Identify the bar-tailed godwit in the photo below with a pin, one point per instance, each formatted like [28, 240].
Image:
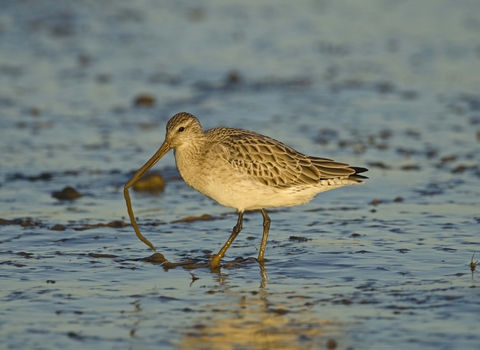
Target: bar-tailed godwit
[244, 170]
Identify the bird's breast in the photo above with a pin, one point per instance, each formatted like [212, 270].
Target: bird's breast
[213, 176]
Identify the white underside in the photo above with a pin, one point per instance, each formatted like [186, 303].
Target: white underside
[248, 196]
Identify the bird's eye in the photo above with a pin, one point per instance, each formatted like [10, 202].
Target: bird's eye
[180, 129]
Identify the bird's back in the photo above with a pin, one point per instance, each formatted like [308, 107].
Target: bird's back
[273, 163]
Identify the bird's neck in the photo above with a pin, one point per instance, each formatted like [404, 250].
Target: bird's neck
[188, 158]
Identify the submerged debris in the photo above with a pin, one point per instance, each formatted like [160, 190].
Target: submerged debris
[299, 239]
[380, 165]
[473, 265]
[112, 224]
[22, 222]
[194, 218]
[44, 176]
[97, 255]
[409, 167]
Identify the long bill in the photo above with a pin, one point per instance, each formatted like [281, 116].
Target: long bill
[151, 162]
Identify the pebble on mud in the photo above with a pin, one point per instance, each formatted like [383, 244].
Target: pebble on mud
[68, 193]
[331, 344]
[233, 77]
[34, 111]
[144, 100]
[152, 182]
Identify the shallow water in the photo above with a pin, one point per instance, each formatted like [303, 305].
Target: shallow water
[389, 85]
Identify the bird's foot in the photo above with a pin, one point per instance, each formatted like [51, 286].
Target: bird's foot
[215, 263]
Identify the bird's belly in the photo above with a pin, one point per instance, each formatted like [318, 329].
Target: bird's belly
[231, 188]
[245, 194]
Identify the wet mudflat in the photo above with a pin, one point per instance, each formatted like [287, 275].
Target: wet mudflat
[86, 89]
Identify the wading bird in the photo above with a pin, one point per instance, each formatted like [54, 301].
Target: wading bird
[244, 170]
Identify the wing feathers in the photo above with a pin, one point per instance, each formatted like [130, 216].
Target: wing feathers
[275, 164]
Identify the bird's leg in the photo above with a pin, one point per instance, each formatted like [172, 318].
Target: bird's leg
[236, 230]
[266, 228]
